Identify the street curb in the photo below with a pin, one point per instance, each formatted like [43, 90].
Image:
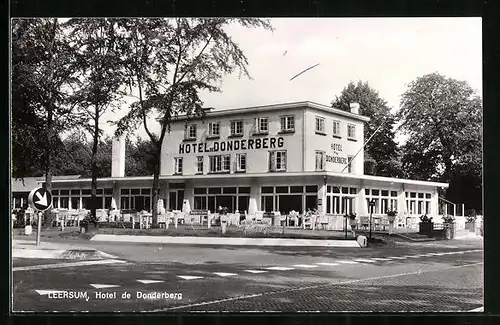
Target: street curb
[69, 254]
[227, 241]
[415, 239]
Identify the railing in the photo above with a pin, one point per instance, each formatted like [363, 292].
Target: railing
[450, 208]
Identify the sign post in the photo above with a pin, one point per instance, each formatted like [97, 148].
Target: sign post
[372, 205]
[40, 200]
[39, 228]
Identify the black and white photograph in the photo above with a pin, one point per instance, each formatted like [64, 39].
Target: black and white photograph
[193, 164]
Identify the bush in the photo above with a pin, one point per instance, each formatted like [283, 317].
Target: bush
[448, 219]
[471, 216]
[351, 216]
[425, 219]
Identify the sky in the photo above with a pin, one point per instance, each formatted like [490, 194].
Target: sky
[388, 53]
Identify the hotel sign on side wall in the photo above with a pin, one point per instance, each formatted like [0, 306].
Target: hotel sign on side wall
[337, 150]
[231, 145]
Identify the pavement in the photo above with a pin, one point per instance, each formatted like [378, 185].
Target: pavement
[226, 241]
[27, 248]
[437, 276]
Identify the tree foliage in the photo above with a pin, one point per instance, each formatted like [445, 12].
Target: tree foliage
[442, 118]
[95, 45]
[140, 158]
[43, 76]
[169, 61]
[381, 153]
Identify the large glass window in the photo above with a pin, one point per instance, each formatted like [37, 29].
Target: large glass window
[213, 197]
[418, 203]
[341, 200]
[384, 200]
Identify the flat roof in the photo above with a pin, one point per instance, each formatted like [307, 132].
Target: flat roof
[256, 175]
[272, 107]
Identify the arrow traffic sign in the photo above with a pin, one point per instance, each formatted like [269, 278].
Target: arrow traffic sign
[40, 199]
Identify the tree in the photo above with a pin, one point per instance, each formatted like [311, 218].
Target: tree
[43, 68]
[169, 61]
[442, 118]
[140, 158]
[75, 157]
[381, 153]
[95, 43]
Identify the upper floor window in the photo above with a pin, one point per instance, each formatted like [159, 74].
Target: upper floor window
[287, 123]
[277, 160]
[336, 128]
[220, 163]
[349, 164]
[241, 162]
[190, 131]
[320, 125]
[320, 160]
[214, 129]
[262, 125]
[199, 164]
[351, 131]
[178, 165]
[237, 127]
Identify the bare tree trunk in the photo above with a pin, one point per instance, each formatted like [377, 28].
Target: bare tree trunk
[93, 189]
[156, 183]
[48, 217]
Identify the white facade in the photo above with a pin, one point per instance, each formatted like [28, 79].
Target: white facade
[271, 158]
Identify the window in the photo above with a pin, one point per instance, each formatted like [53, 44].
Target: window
[214, 129]
[383, 201]
[199, 164]
[320, 160]
[351, 131]
[349, 164]
[237, 127]
[341, 200]
[261, 125]
[190, 131]
[320, 125]
[418, 203]
[288, 123]
[220, 163]
[178, 165]
[277, 161]
[336, 128]
[241, 162]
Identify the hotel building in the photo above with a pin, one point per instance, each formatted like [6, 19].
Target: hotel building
[284, 157]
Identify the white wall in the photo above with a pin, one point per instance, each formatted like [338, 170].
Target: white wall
[324, 142]
[257, 159]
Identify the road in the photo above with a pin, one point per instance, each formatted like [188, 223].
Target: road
[420, 277]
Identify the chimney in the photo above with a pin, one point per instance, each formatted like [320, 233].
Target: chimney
[354, 108]
[118, 157]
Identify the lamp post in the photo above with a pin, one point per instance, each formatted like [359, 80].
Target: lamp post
[372, 205]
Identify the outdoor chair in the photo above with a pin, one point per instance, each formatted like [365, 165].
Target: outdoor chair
[259, 216]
